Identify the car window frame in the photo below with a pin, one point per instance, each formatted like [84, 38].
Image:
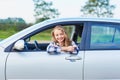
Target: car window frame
[82, 45]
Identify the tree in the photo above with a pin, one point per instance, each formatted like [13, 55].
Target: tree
[15, 24]
[43, 10]
[98, 8]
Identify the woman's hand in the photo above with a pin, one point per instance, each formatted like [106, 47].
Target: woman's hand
[69, 48]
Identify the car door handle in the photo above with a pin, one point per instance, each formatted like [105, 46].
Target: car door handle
[73, 58]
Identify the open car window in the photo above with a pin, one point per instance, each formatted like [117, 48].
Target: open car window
[40, 40]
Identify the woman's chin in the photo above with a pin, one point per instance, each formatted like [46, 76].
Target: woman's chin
[60, 41]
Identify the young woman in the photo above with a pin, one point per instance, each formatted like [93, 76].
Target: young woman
[61, 42]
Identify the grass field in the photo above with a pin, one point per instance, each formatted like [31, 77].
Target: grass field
[5, 34]
[41, 36]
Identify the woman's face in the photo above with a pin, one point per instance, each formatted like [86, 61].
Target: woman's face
[59, 35]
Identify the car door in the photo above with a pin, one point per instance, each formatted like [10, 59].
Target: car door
[102, 55]
[39, 65]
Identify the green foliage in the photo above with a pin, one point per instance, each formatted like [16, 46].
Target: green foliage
[10, 26]
[98, 8]
[43, 36]
[15, 24]
[5, 34]
[43, 10]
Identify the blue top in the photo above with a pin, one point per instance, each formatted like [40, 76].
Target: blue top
[56, 49]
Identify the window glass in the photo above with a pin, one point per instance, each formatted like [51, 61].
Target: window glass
[105, 37]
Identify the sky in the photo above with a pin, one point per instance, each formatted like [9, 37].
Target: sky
[25, 8]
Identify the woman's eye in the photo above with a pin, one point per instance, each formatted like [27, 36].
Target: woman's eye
[56, 35]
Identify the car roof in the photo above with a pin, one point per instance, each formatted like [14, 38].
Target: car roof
[85, 19]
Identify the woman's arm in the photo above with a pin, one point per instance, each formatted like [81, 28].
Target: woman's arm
[52, 48]
[72, 49]
[76, 49]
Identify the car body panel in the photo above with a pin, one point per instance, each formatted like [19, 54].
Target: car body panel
[3, 58]
[102, 65]
[43, 66]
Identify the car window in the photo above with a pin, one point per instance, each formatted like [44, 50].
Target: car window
[105, 37]
[45, 36]
[42, 37]
[40, 41]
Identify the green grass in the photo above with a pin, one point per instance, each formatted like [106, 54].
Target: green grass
[42, 37]
[5, 34]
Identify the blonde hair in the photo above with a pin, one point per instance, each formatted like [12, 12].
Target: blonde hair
[67, 41]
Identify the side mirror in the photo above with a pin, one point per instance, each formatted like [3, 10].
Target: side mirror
[19, 45]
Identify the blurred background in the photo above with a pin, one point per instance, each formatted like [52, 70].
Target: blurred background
[16, 15]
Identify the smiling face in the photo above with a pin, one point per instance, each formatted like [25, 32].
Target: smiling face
[59, 35]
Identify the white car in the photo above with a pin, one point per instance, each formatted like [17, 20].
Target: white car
[24, 58]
